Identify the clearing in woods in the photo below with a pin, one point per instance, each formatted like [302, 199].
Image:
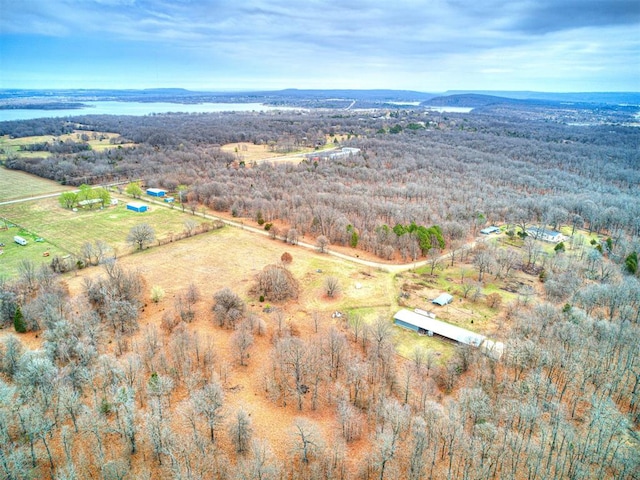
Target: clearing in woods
[98, 141]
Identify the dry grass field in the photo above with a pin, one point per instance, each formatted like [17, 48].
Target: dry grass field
[15, 185]
[97, 140]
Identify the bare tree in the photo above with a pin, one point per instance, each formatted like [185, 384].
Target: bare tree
[242, 340]
[434, 261]
[332, 286]
[141, 235]
[240, 431]
[276, 283]
[322, 242]
[228, 308]
[208, 402]
[484, 262]
[189, 226]
[308, 441]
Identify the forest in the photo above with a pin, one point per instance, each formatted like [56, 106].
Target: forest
[111, 395]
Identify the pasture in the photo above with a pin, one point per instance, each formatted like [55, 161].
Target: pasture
[98, 141]
[65, 231]
[15, 184]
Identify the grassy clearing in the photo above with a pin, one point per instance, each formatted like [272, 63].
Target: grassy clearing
[98, 141]
[65, 231]
[15, 184]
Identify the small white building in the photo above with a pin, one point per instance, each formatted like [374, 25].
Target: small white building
[443, 299]
[542, 234]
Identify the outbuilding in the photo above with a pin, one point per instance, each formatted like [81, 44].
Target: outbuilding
[443, 299]
[156, 192]
[137, 207]
[428, 325]
[490, 230]
[425, 323]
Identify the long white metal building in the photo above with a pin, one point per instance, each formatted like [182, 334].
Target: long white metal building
[426, 324]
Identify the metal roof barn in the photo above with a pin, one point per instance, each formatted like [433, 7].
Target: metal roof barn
[137, 207]
[423, 324]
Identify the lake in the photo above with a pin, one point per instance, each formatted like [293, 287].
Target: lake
[136, 108]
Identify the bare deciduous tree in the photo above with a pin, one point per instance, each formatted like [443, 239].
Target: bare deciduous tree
[332, 286]
[240, 431]
[228, 308]
[141, 235]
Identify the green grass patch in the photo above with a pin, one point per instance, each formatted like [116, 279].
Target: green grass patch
[407, 341]
[66, 231]
[15, 184]
[13, 254]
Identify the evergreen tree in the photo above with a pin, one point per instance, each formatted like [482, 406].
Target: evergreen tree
[631, 263]
[18, 321]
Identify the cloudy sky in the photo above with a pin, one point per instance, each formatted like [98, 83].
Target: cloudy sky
[428, 45]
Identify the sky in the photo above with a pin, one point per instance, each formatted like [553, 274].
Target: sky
[428, 46]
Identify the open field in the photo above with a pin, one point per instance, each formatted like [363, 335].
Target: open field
[65, 231]
[249, 152]
[97, 140]
[16, 184]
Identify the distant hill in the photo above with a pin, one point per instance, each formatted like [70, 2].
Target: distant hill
[611, 98]
[473, 100]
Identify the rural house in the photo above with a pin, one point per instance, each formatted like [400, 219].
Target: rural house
[546, 235]
[490, 230]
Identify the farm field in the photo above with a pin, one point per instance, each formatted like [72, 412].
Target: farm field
[65, 231]
[16, 184]
[98, 141]
[249, 152]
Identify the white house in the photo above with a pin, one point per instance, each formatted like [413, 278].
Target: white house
[546, 235]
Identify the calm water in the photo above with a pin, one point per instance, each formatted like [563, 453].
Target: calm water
[135, 108]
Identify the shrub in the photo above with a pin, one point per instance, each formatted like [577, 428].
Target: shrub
[286, 258]
[494, 300]
[157, 294]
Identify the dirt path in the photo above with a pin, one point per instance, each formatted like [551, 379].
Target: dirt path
[385, 267]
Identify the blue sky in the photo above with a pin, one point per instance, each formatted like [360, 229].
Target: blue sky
[429, 45]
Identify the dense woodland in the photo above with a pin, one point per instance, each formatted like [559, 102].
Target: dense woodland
[563, 402]
[447, 170]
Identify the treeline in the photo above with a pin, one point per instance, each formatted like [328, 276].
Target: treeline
[62, 147]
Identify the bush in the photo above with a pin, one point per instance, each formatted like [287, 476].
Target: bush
[157, 294]
[494, 300]
[332, 286]
[286, 258]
